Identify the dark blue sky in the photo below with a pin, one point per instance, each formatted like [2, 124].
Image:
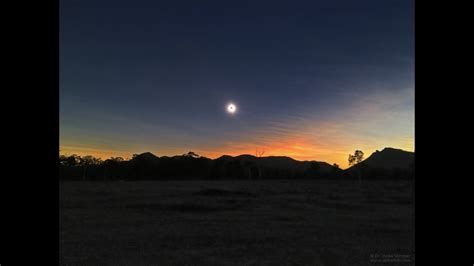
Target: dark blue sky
[311, 79]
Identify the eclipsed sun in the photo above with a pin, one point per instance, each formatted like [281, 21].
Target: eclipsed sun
[231, 108]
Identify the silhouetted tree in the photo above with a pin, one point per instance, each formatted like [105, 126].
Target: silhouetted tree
[62, 159]
[116, 159]
[356, 158]
[112, 168]
[87, 162]
[69, 167]
[72, 160]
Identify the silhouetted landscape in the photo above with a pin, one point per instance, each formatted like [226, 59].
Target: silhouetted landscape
[389, 163]
[222, 212]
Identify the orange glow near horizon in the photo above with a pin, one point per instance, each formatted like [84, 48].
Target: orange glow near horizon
[369, 125]
[297, 149]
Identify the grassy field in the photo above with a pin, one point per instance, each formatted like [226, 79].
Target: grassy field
[332, 223]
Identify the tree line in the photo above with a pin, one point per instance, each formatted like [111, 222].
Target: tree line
[192, 166]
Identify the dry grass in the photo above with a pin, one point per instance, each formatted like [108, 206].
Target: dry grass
[235, 222]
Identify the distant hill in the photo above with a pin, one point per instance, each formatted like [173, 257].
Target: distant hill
[284, 162]
[146, 156]
[388, 160]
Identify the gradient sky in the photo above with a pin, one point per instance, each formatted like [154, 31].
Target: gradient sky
[313, 80]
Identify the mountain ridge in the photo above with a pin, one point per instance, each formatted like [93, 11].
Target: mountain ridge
[390, 163]
[387, 158]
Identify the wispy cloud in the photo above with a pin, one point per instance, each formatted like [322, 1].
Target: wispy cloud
[366, 119]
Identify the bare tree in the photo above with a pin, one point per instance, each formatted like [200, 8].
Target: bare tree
[259, 154]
